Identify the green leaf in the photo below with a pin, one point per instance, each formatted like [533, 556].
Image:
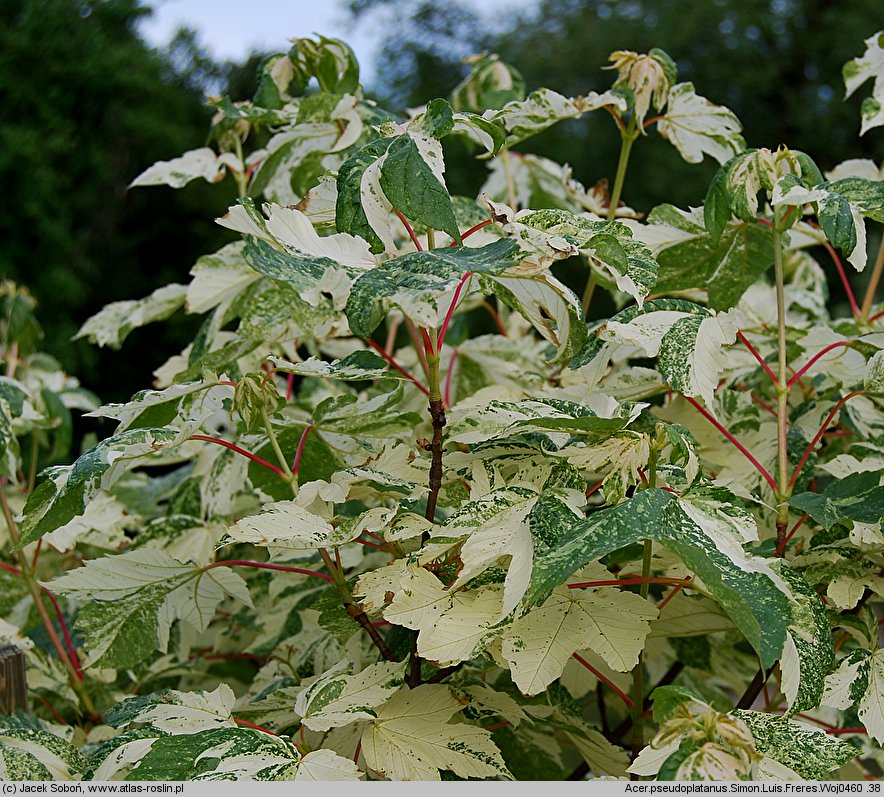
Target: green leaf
[840, 220]
[858, 497]
[413, 188]
[691, 257]
[422, 284]
[302, 271]
[866, 195]
[549, 305]
[412, 739]
[692, 354]
[666, 699]
[368, 417]
[807, 750]
[350, 216]
[736, 186]
[491, 83]
[65, 490]
[29, 751]
[331, 61]
[836, 219]
[338, 697]
[809, 654]
[112, 324]
[362, 365]
[858, 70]
[255, 398]
[753, 596]
[136, 596]
[697, 127]
[195, 756]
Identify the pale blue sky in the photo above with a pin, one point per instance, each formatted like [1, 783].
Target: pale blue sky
[231, 29]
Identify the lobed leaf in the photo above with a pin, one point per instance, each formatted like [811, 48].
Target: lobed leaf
[752, 595]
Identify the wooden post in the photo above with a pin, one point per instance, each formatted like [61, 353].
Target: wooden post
[13, 685]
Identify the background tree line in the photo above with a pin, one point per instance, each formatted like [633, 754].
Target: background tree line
[88, 104]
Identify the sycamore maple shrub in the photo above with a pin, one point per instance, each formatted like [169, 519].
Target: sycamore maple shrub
[404, 509]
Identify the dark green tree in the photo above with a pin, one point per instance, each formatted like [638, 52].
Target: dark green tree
[87, 105]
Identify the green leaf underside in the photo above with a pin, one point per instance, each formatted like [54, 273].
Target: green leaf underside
[858, 497]
[756, 604]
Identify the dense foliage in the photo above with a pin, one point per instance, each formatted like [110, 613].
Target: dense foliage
[401, 511]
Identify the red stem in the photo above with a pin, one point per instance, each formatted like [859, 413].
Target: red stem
[876, 316]
[37, 548]
[68, 642]
[759, 467]
[64, 629]
[594, 487]
[494, 314]
[248, 724]
[380, 350]
[812, 360]
[232, 447]
[838, 731]
[268, 566]
[428, 344]
[10, 569]
[474, 228]
[618, 120]
[296, 463]
[410, 231]
[451, 307]
[844, 281]
[672, 594]
[616, 689]
[58, 718]
[372, 545]
[764, 405]
[757, 356]
[782, 546]
[818, 435]
[289, 386]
